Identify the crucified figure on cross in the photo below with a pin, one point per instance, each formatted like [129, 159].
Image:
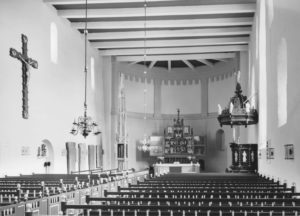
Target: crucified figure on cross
[26, 64]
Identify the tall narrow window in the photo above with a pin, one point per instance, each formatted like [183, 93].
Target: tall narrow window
[93, 73]
[257, 38]
[282, 83]
[53, 42]
[253, 100]
[270, 10]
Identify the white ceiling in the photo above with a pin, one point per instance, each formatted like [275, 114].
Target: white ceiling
[178, 33]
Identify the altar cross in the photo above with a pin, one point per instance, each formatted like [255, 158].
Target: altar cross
[178, 113]
[26, 64]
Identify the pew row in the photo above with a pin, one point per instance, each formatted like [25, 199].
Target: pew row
[50, 203]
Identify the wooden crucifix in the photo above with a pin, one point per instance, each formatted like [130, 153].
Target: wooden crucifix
[26, 64]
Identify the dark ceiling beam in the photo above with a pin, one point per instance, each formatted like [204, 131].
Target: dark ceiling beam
[160, 11]
[178, 57]
[165, 24]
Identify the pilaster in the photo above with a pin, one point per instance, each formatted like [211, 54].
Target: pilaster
[204, 96]
[157, 98]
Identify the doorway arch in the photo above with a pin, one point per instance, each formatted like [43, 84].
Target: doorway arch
[50, 155]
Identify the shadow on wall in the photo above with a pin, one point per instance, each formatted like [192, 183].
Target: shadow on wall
[216, 158]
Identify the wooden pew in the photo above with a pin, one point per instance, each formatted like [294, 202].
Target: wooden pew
[196, 194]
[50, 204]
[181, 208]
[196, 201]
[217, 206]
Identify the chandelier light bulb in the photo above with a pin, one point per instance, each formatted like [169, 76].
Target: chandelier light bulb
[144, 144]
[144, 148]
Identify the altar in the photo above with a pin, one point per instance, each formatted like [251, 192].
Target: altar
[179, 150]
[163, 168]
[181, 145]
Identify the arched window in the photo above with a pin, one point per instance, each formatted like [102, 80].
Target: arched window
[282, 83]
[253, 91]
[270, 9]
[93, 73]
[220, 140]
[53, 42]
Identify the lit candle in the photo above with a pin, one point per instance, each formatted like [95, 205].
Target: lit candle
[231, 107]
[247, 107]
[219, 109]
[238, 76]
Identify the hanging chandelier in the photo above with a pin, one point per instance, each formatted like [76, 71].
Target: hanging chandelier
[145, 142]
[239, 111]
[84, 124]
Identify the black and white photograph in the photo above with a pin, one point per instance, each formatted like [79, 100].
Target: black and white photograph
[149, 107]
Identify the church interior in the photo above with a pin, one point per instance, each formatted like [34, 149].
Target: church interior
[132, 96]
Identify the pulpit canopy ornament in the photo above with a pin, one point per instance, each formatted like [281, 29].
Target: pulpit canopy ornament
[239, 111]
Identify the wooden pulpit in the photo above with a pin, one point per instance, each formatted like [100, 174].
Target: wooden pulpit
[244, 157]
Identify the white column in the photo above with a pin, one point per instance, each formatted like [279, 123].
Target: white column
[107, 90]
[244, 69]
[114, 113]
[157, 98]
[242, 132]
[204, 96]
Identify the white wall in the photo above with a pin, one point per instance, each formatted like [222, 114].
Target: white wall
[281, 23]
[56, 91]
[180, 87]
[219, 92]
[185, 97]
[136, 97]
